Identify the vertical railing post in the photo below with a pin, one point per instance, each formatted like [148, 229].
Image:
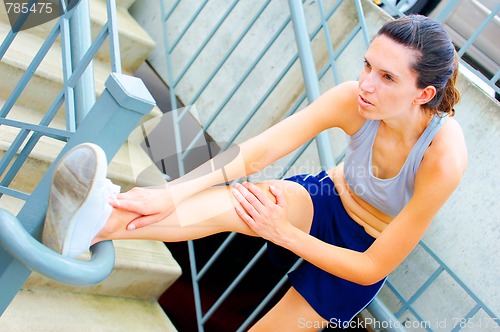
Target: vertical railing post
[310, 76]
[180, 160]
[80, 41]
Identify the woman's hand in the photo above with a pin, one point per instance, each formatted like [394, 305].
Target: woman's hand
[152, 203]
[264, 216]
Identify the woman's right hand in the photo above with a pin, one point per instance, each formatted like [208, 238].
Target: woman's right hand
[152, 203]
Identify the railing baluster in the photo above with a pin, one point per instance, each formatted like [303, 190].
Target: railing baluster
[81, 40]
[114, 40]
[30, 71]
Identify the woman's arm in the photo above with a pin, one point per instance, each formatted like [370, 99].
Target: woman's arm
[438, 176]
[336, 108]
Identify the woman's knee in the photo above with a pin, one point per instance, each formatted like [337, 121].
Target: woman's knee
[265, 185]
[299, 202]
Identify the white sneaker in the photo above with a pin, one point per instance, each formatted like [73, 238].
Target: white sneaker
[78, 204]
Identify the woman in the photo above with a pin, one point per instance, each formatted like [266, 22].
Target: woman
[405, 157]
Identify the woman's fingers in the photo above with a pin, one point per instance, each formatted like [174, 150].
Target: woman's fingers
[128, 205]
[263, 213]
[245, 217]
[153, 203]
[246, 199]
[258, 193]
[142, 222]
[278, 194]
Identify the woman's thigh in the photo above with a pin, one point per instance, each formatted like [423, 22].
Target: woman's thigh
[291, 313]
[214, 208]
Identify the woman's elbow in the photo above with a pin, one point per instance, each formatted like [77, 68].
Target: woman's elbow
[368, 280]
[370, 275]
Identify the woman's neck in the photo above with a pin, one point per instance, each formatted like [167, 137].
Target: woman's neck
[408, 129]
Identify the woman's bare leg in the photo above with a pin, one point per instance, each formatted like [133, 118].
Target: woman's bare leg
[212, 211]
[208, 212]
[291, 313]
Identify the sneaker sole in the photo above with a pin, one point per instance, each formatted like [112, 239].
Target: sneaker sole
[74, 178]
[77, 228]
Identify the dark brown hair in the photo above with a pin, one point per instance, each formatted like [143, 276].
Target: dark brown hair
[436, 63]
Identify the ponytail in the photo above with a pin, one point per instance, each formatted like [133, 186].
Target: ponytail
[451, 96]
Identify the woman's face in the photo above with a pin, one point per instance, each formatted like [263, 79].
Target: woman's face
[387, 85]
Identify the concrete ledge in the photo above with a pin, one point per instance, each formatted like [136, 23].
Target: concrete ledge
[135, 44]
[143, 270]
[48, 75]
[64, 311]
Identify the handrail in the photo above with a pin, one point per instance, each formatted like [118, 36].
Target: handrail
[78, 94]
[37, 257]
[124, 101]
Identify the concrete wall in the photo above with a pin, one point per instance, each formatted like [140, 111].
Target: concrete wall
[465, 233]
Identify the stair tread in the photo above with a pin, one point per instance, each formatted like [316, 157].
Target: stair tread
[65, 311]
[130, 33]
[158, 270]
[24, 48]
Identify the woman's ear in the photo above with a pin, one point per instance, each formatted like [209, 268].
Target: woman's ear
[425, 96]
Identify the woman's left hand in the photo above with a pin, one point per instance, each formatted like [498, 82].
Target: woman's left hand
[264, 216]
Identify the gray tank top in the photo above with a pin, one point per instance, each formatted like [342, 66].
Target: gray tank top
[387, 195]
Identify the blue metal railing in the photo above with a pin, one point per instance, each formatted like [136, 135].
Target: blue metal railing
[312, 92]
[311, 78]
[124, 100]
[74, 67]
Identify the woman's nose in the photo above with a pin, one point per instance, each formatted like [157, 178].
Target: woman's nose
[367, 83]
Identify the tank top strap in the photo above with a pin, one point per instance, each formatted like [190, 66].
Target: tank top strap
[425, 140]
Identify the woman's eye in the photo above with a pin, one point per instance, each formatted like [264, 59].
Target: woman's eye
[367, 65]
[388, 77]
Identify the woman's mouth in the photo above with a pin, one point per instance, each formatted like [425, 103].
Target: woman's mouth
[363, 102]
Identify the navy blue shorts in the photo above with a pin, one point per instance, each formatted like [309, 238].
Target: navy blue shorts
[335, 299]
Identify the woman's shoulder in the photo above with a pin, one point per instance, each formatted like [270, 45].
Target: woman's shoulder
[348, 91]
[450, 137]
[448, 151]
[343, 101]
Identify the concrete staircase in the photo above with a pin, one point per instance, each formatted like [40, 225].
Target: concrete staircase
[465, 229]
[143, 269]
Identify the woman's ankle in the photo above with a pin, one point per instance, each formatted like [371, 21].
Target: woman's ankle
[115, 225]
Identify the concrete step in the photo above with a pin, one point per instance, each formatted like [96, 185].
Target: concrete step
[48, 75]
[66, 311]
[135, 43]
[158, 270]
